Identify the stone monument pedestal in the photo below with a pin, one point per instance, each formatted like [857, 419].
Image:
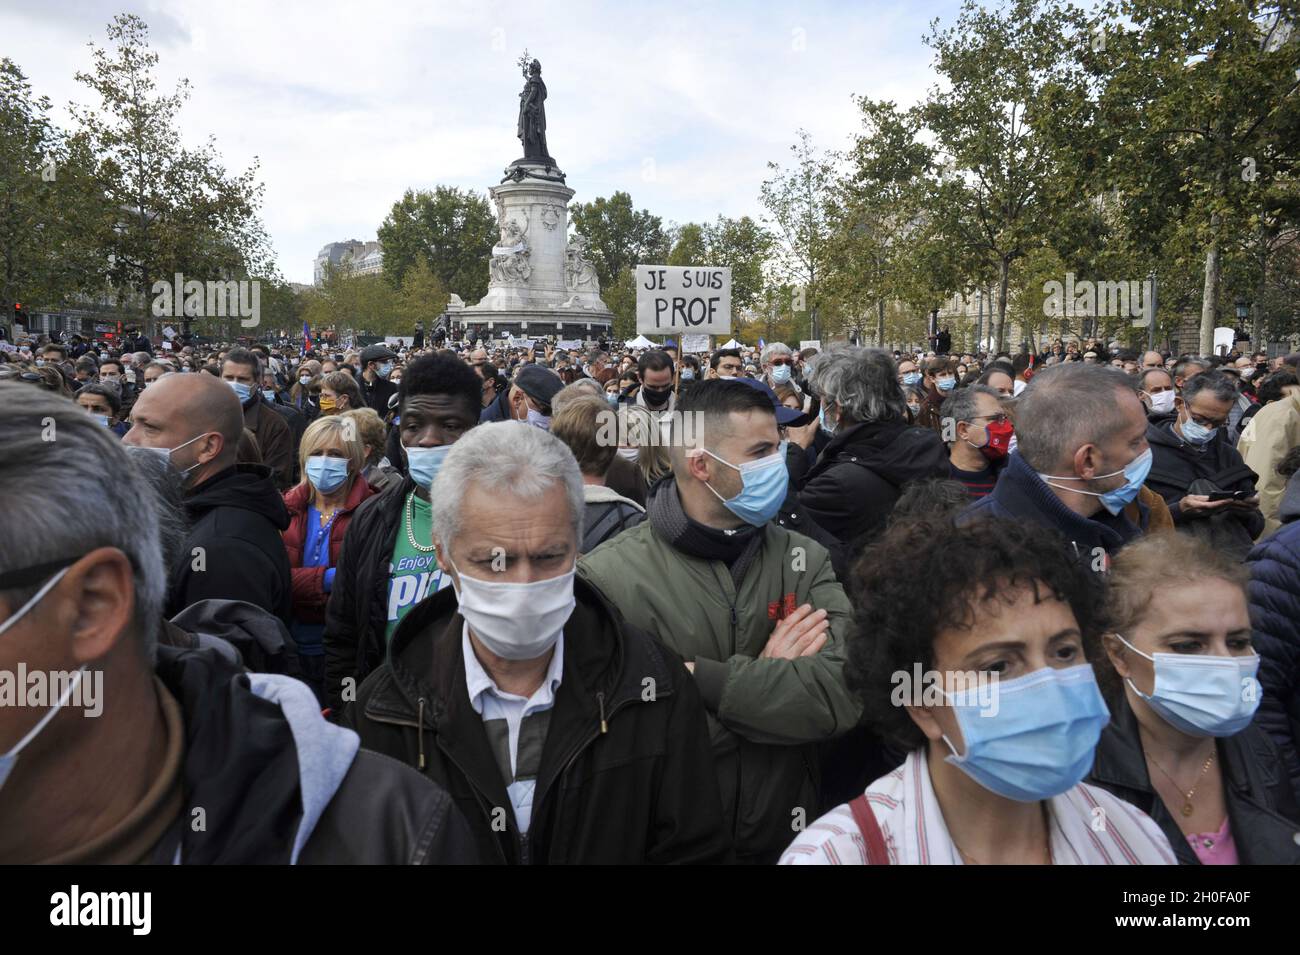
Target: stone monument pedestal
[542, 282]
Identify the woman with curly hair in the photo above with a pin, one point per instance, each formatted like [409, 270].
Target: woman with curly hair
[972, 655]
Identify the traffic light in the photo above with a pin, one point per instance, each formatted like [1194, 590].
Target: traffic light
[20, 314]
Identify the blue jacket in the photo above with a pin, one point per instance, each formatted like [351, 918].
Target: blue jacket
[1274, 594]
[1020, 495]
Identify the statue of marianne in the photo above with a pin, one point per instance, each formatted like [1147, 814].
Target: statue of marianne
[532, 115]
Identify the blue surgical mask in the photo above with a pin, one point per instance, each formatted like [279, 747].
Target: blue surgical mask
[102, 419]
[688, 374]
[946, 384]
[1039, 741]
[325, 473]
[1196, 433]
[1135, 473]
[912, 378]
[10, 759]
[539, 420]
[242, 391]
[823, 422]
[780, 374]
[384, 370]
[612, 399]
[423, 464]
[763, 487]
[302, 379]
[269, 394]
[1203, 695]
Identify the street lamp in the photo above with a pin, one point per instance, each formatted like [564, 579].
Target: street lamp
[1243, 313]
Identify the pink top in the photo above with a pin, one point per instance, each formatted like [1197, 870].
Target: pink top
[1215, 848]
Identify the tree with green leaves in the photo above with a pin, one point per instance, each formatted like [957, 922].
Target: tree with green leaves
[741, 245]
[450, 229]
[797, 201]
[620, 296]
[690, 246]
[995, 188]
[620, 236]
[423, 298]
[177, 209]
[875, 205]
[53, 216]
[1200, 101]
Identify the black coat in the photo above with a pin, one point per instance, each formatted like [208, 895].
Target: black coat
[862, 471]
[297, 423]
[236, 517]
[377, 393]
[1274, 594]
[356, 616]
[626, 772]
[1256, 789]
[498, 409]
[1176, 464]
[242, 766]
[793, 517]
[1021, 496]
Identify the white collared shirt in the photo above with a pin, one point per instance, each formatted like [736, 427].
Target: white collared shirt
[1089, 826]
[492, 703]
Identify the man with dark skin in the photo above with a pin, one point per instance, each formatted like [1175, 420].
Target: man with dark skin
[388, 563]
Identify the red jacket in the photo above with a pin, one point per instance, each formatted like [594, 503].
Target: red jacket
[309, 595]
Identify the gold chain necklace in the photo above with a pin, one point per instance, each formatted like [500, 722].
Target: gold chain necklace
[410, 533]
[1187, 808]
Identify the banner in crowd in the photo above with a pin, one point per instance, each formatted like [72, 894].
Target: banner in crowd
[673, 298]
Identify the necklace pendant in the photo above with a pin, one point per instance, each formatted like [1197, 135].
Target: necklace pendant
[1188, 809]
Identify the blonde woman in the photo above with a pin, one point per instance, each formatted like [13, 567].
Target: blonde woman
[649, 437]
[1180, 677]
[331, 459]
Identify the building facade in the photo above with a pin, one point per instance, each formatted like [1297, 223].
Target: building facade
[363, 258]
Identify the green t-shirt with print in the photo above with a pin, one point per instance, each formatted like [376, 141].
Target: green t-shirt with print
[413, 573]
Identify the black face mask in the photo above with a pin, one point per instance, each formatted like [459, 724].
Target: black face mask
[655, 396]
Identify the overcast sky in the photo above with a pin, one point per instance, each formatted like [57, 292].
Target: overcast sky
[347, 105]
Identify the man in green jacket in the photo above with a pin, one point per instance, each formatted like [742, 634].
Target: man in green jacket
[754, 610]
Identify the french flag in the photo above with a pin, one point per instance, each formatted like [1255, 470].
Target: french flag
[306, 338]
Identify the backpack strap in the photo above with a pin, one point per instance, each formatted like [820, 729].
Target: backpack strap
[609, 519]
[877, 853]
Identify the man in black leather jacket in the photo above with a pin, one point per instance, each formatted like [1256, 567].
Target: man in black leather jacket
[187, 757]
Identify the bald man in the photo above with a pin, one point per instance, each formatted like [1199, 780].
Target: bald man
[234, 550]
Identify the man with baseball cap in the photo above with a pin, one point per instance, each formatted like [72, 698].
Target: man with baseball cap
[376, 366]
[530, 395]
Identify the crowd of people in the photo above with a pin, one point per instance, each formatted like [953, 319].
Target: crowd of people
[486, 602]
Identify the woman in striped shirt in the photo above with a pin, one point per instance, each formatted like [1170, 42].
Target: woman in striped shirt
[972, 656]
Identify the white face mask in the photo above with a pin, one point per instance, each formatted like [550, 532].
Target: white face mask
[516, 621]
[1162, 402]
[10, 759]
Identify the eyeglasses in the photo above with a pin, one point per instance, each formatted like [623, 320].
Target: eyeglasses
[998, 418]
[780, 361]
